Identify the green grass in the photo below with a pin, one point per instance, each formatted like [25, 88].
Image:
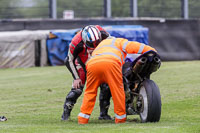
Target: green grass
[32, 100]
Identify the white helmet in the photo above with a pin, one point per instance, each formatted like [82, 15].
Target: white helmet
[91, 36]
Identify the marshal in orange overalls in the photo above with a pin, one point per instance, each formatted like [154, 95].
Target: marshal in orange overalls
[105, 66]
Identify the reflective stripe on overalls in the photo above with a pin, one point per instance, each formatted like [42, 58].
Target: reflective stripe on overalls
[112, 45]
[83, 118]
[120, 117]
[84, 115]
[139, 51]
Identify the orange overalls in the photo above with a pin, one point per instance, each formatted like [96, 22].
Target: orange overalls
[105, 66]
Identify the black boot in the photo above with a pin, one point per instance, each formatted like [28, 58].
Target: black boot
[67, 111]
[104, 100]
[104, 115]
[70, 101]
[104, 106]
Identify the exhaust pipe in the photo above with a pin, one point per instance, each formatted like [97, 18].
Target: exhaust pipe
[139, 65]
[155, 64]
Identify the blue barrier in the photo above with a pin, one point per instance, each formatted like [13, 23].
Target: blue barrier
[57, 47]
[130, 32]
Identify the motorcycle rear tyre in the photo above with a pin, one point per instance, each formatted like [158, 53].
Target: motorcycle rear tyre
[151, 101]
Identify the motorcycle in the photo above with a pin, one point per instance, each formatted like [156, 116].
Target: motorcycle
[142, 94]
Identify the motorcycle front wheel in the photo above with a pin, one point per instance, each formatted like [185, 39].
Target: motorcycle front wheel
[151, 101]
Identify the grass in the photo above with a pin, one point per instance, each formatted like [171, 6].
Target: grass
[32, 100]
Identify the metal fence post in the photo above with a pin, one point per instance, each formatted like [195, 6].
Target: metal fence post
[107, 8]
[184, 9]
[134, 8]
[52, 9]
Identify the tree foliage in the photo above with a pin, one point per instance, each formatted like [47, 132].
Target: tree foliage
[81, 8]
[4, 10]
[95, 8]
[160, 8]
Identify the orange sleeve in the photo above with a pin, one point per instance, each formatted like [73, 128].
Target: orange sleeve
[147, 48]
[136, 48]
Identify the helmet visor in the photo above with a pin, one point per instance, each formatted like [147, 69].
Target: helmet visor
[92, 44]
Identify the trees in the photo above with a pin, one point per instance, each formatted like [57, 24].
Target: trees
[81, 8]
[10, 9]
[160, 8]
[4, 10]
[95, 8]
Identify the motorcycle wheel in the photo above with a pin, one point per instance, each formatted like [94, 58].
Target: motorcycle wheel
[151, 101]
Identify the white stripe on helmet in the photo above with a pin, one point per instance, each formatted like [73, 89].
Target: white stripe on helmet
[91, 34]
[96, 33]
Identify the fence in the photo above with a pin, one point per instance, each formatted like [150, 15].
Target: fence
[10, 9]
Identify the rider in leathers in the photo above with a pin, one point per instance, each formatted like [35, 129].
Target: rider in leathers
[79, 52]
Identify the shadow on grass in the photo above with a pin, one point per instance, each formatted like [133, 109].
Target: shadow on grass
[135, 120]
[96, 121]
